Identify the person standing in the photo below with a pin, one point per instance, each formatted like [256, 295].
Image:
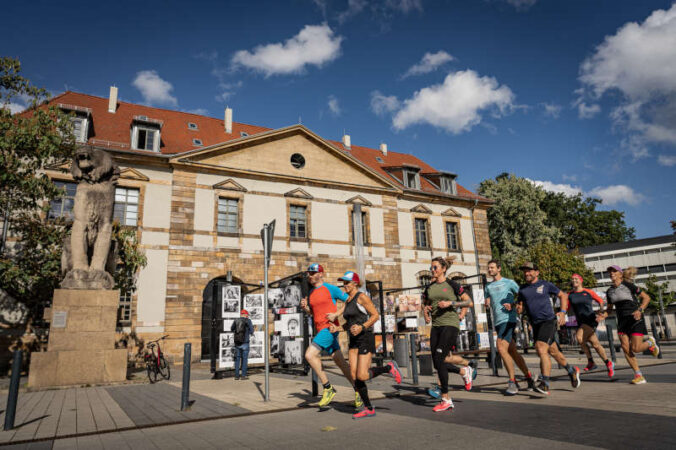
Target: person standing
[320, 303]
[243, 330]
[360, 314]
[535, 295]
[623, 296]
[581, 300]
[501, 297]
[442, 299]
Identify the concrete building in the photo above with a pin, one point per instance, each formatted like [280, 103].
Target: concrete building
[198, 190]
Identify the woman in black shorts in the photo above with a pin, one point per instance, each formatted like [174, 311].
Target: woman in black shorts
[623, 296]
[581, 299]
[360, 314]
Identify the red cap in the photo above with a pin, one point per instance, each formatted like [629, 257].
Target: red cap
[244, 311]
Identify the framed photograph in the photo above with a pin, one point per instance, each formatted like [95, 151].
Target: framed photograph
[291, 296]
[254, 304]
[226, 355]
[390, 323]
[292, 352]
[231, 301]
[274, 345]
[227, 325]
[276, 298]
[290, 325]
[256, 348]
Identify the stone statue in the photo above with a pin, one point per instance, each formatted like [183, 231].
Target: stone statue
[87, 260]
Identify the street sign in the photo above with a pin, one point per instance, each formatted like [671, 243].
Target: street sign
[269, 230]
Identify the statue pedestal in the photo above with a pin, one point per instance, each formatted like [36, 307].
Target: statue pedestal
[81, 347]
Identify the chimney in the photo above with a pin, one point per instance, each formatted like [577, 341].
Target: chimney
[112, 100]
[383, 149]
[346, 141]
[228, 120]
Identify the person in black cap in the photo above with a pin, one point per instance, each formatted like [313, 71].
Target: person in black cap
[535, 295]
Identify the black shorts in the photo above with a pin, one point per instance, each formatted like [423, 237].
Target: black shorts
[364, 341]
[590, 321]
[630, 326]
[442, 340]
[545, 331]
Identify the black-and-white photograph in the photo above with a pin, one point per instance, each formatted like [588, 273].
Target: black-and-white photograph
[276, 298]
[253, 303]
[227, 351]
[290, 325]
[231, 301]
[292, 352]
[256, 348]
[291, 296]
[274, 344]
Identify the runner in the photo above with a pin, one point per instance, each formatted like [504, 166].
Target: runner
[500, 296]
[323, 298]
[441, 299]
[535, 294]
[623, 296]
[581, 301]
[360, 314]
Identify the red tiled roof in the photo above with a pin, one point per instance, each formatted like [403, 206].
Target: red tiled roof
[114, 131]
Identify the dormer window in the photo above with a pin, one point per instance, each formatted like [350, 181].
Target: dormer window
[79, 117]
[145, 134]
[243, 133]
[411, 179]
[197, 142]
[447, 185]
[192, 126]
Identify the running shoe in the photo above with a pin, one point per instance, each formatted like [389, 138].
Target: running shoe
[364, 413]
[654, 348]
[638, 379]
[512, 388]
[611, 368]
[531, 383]
[327, 396]
[575, 377]
[444, 405]
[590, 366]
[542, 386]
[357, 400]
[474, 365]
[394, 371]
[468, 378]
[434, 392]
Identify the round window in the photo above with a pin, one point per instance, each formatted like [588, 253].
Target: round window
[297, 161]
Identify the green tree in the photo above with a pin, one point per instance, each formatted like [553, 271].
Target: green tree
[556, 264]
[654, 289]
[516, 221]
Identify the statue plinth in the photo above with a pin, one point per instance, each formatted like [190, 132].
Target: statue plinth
[81, 347]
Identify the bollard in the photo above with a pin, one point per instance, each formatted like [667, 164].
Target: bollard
[414, 360]
[185, 390]
[611, 344]
[13, 395]
[315, 385]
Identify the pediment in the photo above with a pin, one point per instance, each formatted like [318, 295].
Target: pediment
[360, 200]
[269, 154]
[451, 212]
[298, 193]
[229, 185]
[420, 208]
[132, 174]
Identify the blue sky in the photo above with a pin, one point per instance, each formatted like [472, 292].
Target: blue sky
[579, 96]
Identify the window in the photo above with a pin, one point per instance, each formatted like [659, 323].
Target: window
[243, 133]
[297, 221]
[126, 206]
[297, 161]
[364, 234]
[192, 126]
[656, 269]
[79, 128]
[124, 310]
[448, 185]
[421, 233]
[599, 275]
[145, 138]
[638, 253]
[379, 159]
[670, 267]
[411, 179]
[197, 142]
[652, 250]
[228, 215]
[606, 257]
[63, 207]
[642, 271]
[452, 236]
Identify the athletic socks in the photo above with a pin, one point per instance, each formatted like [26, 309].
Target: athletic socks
[363, 391]
[569, 368]
[327, 385]
[375, 371]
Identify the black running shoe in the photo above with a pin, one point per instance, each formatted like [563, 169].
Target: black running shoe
[575, 377]
[542, 387]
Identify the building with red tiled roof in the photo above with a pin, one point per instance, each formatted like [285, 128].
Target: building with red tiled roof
[198, 191]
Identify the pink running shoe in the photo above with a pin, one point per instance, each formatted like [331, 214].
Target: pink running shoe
[444, 405]
[394, 371]
[611, 368]
[467, 378]
[364, 413]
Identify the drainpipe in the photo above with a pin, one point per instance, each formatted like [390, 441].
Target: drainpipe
[476, 252]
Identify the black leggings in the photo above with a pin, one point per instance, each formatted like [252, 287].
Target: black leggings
[442, 339]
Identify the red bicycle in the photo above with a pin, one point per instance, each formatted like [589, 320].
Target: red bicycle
[155, 363]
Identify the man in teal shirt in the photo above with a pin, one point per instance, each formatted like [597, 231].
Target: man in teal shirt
[501, 297]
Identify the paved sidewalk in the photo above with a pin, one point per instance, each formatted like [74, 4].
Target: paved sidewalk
[88, 410]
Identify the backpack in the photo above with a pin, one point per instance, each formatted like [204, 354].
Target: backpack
[240, 331]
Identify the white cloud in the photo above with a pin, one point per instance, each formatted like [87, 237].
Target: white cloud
[551, 110]
[667, 160]
[199, 111]
[314, 45]
[558, 188]
[455, 105]
[381, 10]
[404, 6]
[572, 178]
[522, 5]
[383, 104]
[17, 103]
[354, 7]
[585, 111]
[609, 195]
[334, 106]
[637, 65]
[429, 63]
[155, 90]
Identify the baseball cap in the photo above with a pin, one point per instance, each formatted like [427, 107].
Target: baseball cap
[528, 265]
[314, 268]
[349, 276]
[614, 268]
[244, 311]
